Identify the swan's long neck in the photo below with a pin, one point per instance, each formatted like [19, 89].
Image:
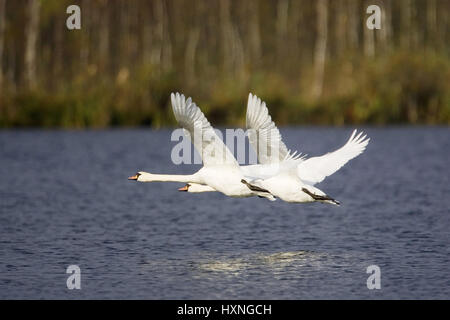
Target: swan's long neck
[186, 178]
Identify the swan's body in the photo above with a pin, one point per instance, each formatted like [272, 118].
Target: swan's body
[285, 174]
[221, 171]
[222, 178]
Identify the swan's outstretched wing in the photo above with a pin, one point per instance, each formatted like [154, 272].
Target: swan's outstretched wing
[263, 134]
[210, 147]
[314, 170]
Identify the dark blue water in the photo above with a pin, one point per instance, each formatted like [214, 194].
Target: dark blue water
[65, 199]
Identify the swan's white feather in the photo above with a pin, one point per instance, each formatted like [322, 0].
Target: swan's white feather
[263, 134]
[208, 144]
[316, 169]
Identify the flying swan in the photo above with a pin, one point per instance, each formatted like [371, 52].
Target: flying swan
[285, 174]
[221, 172]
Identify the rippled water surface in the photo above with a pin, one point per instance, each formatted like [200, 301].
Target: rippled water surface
[65, 199]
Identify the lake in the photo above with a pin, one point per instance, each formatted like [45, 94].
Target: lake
[66, 200]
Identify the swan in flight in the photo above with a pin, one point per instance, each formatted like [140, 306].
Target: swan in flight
[220, 170]
[287, 175]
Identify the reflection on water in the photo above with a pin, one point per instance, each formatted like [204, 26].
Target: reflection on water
[208, 265]
[276, 263]
[226, 266]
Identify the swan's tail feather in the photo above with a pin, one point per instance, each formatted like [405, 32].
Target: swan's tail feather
[322, 198]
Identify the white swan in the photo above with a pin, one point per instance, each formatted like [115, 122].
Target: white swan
[220, 169]
[285, 174]
[295, 183]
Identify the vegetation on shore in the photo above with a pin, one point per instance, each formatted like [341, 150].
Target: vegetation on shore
[121, 67]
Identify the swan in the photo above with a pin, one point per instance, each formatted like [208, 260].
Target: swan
[220, 169]
[296, 178]
[285, 174]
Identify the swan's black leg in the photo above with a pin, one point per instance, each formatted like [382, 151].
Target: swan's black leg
[253, 187]
[318, 197]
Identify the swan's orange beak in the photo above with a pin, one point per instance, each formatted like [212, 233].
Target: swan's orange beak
[185, 188]
[135, 177]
